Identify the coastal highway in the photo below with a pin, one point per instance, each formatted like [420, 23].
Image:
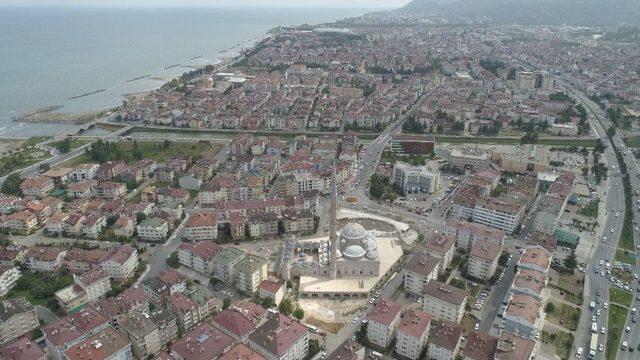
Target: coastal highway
[596, 286]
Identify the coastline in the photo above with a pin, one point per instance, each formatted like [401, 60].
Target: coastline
[51, 115]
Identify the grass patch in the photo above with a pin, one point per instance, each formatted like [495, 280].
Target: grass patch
[40, 288]
[590, 210]
[155, 150]
[625, 256]
[566, 316]
[563, 342]
[615, 326]
[109, 127]
[624, 276]
[633, 141]
[468, 322]
[620, 297]
[35, 140]
[21, 159]
[73, 143]
[514, 141]
[573, 298]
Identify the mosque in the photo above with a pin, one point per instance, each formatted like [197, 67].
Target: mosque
[349, 264]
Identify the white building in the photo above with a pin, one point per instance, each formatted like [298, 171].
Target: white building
[249, 273]
[415, 179]
[442, 247]
[8, 276]
[121, 263]
[466, 233]
[483, 260]
[444, 301]
[412, 333]
[382, 322]
[154, 229]
[199, 256]
[85, 172]
[419, 270]
[202, 226]
[444, 340]
[498, 214]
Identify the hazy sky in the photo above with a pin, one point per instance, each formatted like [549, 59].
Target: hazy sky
[265, 3]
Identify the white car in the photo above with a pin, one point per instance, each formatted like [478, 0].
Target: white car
[605, 306]
[602, 330]
[601, 262]
[612, 230]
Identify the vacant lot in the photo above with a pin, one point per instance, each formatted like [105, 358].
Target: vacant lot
[565, 315]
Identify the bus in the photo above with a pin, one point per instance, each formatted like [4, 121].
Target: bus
[593, 346]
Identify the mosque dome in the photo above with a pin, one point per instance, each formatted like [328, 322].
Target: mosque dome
[353, 231]
[353, 252]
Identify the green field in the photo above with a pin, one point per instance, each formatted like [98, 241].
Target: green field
[21, 159]
[620, 297]
[590, 210]
[156, 150]
[625, 256]
[562, 341]
[566, 316]
[615, 326]
[39, 288]
[73, 143]
[35, 140]
[513, 141]
[633, 141]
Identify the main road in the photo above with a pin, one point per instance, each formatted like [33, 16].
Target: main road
[596, 286]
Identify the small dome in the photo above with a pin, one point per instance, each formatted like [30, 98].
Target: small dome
[372, 254]
[353, 231]
[353, 252]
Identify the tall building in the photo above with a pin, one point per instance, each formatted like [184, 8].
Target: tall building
[415, 179]
[444, 301]
[412, 333]
[382, 322]
[17, 317]
[444, 340]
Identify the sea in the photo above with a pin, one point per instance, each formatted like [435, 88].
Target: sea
[51, 56]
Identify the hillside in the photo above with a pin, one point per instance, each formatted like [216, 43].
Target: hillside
[552, 12]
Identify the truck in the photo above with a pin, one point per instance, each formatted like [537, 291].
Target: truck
[593, 346]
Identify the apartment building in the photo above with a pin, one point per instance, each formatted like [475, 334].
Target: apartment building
[234, 323]
[17, 317]
[499, 213]
[45, 258]
[419, 270]
[535, 258]
[280, 338]
[189, 311]
[224, 264]
[85, 288]
[249, 273]
[38, 186]
[22, 349]
[107, 344]
[514, 347]
[84, 172]
[442, 247]
[273, 289]
[142, 333]
[202, 226]
[480, 346]
[444, 340]
[468, 159]
[8, 276]
[122, 262]
[467, 233]
[110, 190]
[483, 260]
[199, 256]
[348, 350]
[522, 315]
[412, 333]
[68, 331]
[415, 179]
[382, 322]
[153, 229]
[529, 282]
[444, 301]
[202, 343]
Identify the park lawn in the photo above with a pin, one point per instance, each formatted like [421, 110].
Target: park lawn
[625, 256]
[109, 127]
[34, 140]
[39, 288]
[155, 150]
[21, 159]
[620, 297]
[615, 326]
[73, 143]
[566, 316]
[633, 141]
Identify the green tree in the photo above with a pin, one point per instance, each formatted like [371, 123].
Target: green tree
[286, 306]
[530, 137]
[549, 308]
[314, 348]
[11, 185]
[45, 167]
[268, 302]
[64, 146]
[173, 260]
[611, 131]
[140, 217]
[298, 313]
[226, 303]
[571, 262]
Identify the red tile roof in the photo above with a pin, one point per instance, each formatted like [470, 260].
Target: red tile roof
[203, 342]
[234, 321]
[385, 311]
